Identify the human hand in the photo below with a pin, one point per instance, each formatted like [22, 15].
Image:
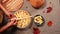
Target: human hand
[0, 1]
[9, 14]
[4, 1]
[12, 22]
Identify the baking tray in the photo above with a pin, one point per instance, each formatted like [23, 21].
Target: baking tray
[53, 16]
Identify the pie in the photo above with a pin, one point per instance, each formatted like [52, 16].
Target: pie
[12, 5]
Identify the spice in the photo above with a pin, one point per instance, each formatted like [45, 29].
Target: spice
[44, 11]
[26, 7]
[36, 31]
[49, 23]
[50, 2]
[49, 9]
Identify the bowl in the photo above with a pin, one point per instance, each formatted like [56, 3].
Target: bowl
[39, 20]
[23, 23]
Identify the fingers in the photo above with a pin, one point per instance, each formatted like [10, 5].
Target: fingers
[6, 11]
[14, 21]
[0, 1]
[4, 1]
[11, 16]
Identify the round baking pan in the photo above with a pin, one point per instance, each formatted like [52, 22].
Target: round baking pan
[29, 25]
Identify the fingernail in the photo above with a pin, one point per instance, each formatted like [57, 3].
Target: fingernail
[11, 16]
[14, 21]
